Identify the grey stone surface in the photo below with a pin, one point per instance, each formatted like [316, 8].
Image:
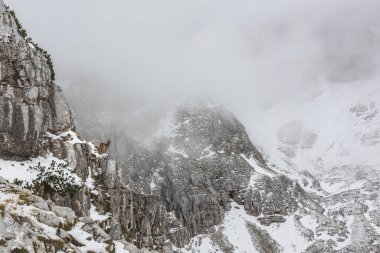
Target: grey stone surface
[64, 212]
[178, 187]
[29, 228]
[267, 220]
[46, 217]
[30, 103]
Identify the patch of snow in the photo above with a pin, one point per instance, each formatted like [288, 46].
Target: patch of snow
[70, 137]
[152, 184]
[87, 240]
[234, 227]
[156, 178]
[4, 198]
[171, 215]
[96, 216]
[23, 170]
[332, 188]
[288, 235]
[373, 205]
[175, 150]
[119, 247]
[200, 244]
[309, 222]
[90, 181]
[94, 150]
[252, 162]
[338, 187]
[11, 170]
[206, 153]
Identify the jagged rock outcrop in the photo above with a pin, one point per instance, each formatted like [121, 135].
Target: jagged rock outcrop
[176, 189]
[201, 160]
[30, 104]
[28, 223]
[200, 180]
[35, 120]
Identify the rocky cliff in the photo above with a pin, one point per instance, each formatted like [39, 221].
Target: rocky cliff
[198, 185]
[30, 104]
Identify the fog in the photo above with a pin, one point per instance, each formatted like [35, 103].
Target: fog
[122, 56]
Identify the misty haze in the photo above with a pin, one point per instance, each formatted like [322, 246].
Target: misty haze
[190, 126]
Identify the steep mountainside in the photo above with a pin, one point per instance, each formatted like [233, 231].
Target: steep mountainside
[197, 185]
[30, 104]
[335, 128]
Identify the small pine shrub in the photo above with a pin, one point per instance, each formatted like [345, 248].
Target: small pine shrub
[24, 35]
[20, 29]
[18, 182]
[57, 178]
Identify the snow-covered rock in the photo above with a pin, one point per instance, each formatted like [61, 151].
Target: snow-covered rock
[198, 185]
[28, 228]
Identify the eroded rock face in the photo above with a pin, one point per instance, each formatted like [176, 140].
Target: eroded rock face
[178, 187]
[33, 112]
[30, 103]
[191, 173]
[24, 227]
[164, 194]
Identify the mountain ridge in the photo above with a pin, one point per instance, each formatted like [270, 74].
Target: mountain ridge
[202, 187]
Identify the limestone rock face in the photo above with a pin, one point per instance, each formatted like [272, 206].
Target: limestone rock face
[191, 171]
[24, 227]
[30, 103]
[199, 179]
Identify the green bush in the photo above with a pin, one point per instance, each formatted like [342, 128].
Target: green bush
[56, 178]
[24, 35]
[21, 30]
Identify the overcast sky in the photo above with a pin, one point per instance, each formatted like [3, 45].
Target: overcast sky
[244, 54]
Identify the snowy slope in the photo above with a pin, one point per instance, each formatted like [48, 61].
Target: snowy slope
[342, 227]
[236, 233]
[333, 133]
[335, 129]
[28, 222]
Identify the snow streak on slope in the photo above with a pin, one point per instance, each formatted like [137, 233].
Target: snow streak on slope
[251, 161]
[234, 227]
[333, 129]
[234, 234]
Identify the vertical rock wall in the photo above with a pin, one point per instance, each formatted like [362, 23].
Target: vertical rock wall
[30, 103]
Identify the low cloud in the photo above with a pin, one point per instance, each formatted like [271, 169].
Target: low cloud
[124, 55]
